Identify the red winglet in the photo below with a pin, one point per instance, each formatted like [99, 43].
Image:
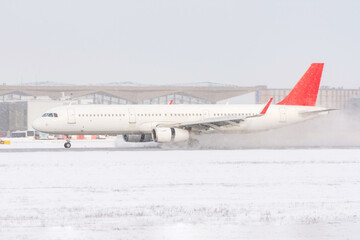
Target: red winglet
[266, 107]
[306, 90]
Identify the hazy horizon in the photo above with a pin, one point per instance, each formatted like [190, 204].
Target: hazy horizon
[243, 43]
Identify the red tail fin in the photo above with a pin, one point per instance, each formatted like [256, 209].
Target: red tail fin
[306, 90]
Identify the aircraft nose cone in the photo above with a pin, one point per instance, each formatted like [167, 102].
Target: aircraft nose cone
[36, 124]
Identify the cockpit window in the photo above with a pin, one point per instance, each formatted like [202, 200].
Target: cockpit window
[50, 115]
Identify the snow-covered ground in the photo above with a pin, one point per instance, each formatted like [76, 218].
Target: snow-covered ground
[207, 194]
[30, 144]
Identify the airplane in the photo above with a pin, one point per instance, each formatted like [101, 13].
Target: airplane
[174, 123]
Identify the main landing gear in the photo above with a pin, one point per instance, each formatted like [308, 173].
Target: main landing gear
[193, 143]
[67, 144]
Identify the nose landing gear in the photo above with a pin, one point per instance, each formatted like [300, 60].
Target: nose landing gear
[67, 144]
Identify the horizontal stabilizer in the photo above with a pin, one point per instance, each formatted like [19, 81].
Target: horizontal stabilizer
[317, 112]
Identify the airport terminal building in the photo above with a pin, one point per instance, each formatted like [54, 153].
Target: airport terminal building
[338, 98]
[20, 105]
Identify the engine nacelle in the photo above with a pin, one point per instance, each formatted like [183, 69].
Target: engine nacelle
[137, 137]
[166, 135]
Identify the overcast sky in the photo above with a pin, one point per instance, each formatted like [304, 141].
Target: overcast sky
[257, 42]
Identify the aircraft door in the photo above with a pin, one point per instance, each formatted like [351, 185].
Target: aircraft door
[206, 114]
[282, 114]
[71, 116]
[132, 116]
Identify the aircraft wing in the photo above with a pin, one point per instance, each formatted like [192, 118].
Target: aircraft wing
[217, 122]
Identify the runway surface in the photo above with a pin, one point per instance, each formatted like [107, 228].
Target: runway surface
[125, 149]
[117, 144]
[177, 194]
[88, 149]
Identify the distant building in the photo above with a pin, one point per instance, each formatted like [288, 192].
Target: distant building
[328, 97]
[354, 103]
[123, 94]
[20, 105]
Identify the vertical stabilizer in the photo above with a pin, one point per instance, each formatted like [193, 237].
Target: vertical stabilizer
[306, 90]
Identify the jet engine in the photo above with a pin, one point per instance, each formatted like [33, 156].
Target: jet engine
[166, 135]
[137, 137]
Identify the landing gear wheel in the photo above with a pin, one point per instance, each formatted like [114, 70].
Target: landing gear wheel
[67, 144]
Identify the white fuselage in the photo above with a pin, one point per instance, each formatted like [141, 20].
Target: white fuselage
[134, 119]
